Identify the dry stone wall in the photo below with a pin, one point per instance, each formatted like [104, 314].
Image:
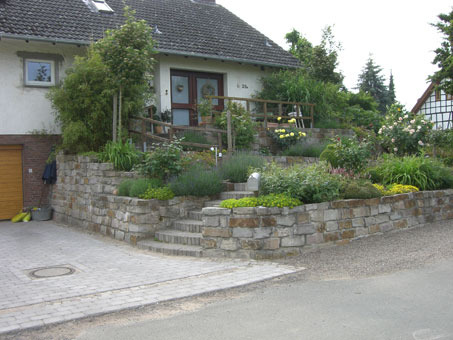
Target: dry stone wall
[267, 233]
[83, 197]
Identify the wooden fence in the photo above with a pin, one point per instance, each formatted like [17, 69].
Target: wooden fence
[266, 115]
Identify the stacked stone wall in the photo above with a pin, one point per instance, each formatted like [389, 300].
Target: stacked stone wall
[84, 197]
[266, 233]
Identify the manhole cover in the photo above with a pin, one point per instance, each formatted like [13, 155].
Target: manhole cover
[51, 272]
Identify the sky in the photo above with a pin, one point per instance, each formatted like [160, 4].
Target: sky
[397, 33]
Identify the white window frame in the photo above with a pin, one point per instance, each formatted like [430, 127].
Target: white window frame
[40, 83]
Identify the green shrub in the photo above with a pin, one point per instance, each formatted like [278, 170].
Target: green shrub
[205, 159]
[243, 126]
[310, 184]
[423, 173]
[272, 200]
[301, 150]
[441, 142]
[165, 161]
[347, 153]
[140, 186]
[236, 169]
[125, 187]
[329, 156]
[197, 182]
[123, 155]
[404, 133]
[359, 190]
[193, 137]
[163, 194]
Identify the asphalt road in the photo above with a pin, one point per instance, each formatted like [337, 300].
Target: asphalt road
[393, 286]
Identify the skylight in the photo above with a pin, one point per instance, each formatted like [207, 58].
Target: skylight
[101, 6]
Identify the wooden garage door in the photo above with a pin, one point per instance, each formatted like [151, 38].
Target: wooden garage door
[11, 198]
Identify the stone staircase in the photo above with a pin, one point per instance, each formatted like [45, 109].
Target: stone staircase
[184, 237]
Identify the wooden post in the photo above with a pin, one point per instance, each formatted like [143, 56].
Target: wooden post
[143, 131]
[265, 115]
[312, 116]
[280, 109]
[219, 141]
[247, 104]
[170, 132]
[229, 134]
[115, 115]
[299, 114]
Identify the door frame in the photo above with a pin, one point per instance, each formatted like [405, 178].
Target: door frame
[193, 95]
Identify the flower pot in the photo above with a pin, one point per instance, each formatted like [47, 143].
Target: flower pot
[42, 214]
[158, 129]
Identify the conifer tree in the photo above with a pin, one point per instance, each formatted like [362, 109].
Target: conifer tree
[391, 96]
[372, 82]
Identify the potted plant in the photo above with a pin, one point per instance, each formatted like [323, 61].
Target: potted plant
[157, 128]
[205, 110]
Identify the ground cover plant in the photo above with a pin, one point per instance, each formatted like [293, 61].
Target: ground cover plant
[271, 200]
[395, 189]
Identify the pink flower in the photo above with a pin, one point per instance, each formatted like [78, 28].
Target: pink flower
[393, 140]
[420, 143]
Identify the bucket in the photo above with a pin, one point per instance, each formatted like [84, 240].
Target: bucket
[42, 214]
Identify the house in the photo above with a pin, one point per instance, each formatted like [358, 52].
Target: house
[437, 106]
[202, 49]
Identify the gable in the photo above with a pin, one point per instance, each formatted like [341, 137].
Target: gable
[186, 27]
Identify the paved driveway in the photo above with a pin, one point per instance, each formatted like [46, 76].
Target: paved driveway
[103, 275]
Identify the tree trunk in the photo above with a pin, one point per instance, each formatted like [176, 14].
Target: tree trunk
[115, 115]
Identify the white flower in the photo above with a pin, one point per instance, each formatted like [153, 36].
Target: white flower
[412, 121]
[391, 127]
[380, 131]
[411, 131]
[393, 140]
[406, 116]
[400, 119]
[395, 149]
[419, 127]
[420, 143]
[395, 123]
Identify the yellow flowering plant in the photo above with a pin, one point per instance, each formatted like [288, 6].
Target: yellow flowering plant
[395, 189]
[285, 137]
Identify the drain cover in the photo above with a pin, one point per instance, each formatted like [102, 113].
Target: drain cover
[51, 272]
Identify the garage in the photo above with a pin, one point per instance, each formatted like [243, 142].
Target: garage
[11, 194]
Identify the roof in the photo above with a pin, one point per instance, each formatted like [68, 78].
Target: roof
[188, 27]
[423, 98]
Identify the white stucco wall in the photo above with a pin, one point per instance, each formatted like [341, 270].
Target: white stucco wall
[23, 109]
[240, 80]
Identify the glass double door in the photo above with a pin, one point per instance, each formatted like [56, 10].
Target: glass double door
[188, 89]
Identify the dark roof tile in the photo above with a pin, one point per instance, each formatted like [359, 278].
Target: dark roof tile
[187, 27]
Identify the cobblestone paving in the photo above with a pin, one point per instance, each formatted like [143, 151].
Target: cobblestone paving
[108, 276]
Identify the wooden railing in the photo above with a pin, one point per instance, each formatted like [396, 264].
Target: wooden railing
[170, 131]
[266, 115]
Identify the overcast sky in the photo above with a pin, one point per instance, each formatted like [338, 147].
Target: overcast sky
[397, 33]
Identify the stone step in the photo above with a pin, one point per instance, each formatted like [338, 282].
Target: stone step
[178, 237]
[170, 249]
[195, 215]
[235, 194]
[240, 186]
[212, 203]
[189, 226]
